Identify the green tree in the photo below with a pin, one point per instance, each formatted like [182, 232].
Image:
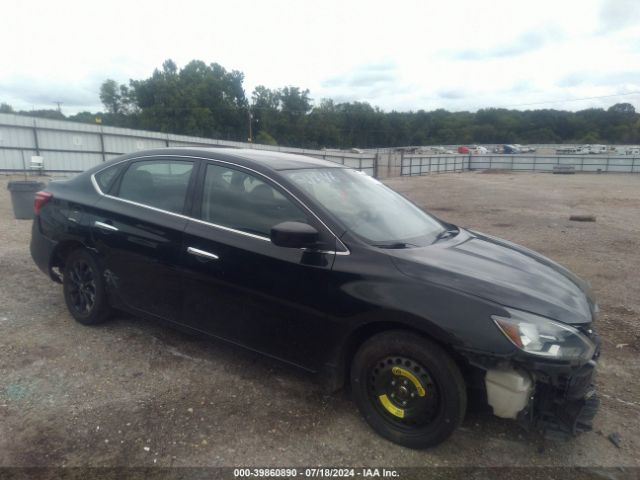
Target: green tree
[200, 99]
[591, 137]
[86, 117]
[294, 101]
[265, 109]
[110, 96]
[625, 108]
[44, 113]
[208, 100]
[265, 138]
[6, 108]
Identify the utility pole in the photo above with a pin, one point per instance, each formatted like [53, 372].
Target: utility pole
[250, 126]
[59, 106]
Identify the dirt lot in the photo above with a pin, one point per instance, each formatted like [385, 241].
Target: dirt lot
[134, 393]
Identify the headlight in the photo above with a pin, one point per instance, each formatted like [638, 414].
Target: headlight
[543, 337]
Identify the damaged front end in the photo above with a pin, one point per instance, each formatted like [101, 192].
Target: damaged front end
[564, 402]
[548, 385]
[559, 404]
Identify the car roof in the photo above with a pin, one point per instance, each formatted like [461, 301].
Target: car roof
[278, 160]
[245, 157]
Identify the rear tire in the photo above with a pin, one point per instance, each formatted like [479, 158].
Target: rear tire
[408, 389]
[84, 288]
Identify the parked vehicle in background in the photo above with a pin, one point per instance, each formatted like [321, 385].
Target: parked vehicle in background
[441, 151]
[570, 151]
[583, 150]
[524, 148]
[478, 150]
[632, 151]
[327, 269]
[463, 150]
[510, 149]
[596, 149]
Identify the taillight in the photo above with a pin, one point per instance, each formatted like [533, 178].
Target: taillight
[40, 201]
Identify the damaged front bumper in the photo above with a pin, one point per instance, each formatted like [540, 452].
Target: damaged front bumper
[558, 399]
[562, 404]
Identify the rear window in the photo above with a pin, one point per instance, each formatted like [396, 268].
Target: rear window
[158, 183]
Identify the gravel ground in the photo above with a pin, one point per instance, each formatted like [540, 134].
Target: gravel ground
[132, 393]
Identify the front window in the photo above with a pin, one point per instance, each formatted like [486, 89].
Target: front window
[367, 208]
[239, 200]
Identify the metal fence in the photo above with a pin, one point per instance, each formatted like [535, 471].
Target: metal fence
[547, 163]
[426, 164]
[70, 147]
[421, 164]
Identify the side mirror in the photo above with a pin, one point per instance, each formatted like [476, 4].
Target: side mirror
[294, 235]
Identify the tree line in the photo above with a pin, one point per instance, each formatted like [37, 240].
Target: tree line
[207, 100]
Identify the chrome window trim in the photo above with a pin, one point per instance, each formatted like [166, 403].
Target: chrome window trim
[94, 182]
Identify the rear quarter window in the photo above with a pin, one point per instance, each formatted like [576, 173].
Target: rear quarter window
[106, 178]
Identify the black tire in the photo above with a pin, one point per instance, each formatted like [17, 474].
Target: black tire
[399, 366]
[84, 288]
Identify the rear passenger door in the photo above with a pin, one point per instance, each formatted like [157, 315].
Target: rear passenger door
[137, 229]
[241, 287]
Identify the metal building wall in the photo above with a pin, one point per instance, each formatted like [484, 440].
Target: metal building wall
[73, 147]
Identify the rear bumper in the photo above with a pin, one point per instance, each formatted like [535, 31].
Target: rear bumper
[42, 249]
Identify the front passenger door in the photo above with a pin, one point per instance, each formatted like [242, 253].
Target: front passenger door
[241, 287]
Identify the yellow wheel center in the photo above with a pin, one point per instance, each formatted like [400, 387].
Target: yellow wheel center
[401, 372]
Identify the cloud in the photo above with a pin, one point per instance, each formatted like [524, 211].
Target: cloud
[451, 94]
[367, 83]
[525, 43]
[368, 78]
[599, 79]
[364, 76]
[521, 86]
[616, 14]
[24, 92]
[382, 84]
[473, 94]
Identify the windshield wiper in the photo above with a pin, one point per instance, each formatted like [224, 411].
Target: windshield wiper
[395, 245]
[446, 234]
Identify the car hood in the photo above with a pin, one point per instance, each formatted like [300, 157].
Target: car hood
[501, 272]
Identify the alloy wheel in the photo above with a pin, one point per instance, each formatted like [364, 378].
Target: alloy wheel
[82, 287]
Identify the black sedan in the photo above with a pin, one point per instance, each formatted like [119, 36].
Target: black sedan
[328, 269]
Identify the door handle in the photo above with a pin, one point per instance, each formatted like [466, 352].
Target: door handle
[105, 226]
[201, 253]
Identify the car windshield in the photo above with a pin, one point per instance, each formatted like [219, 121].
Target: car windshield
[368, 208]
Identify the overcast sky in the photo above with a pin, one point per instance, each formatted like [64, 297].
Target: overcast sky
[403, 55]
